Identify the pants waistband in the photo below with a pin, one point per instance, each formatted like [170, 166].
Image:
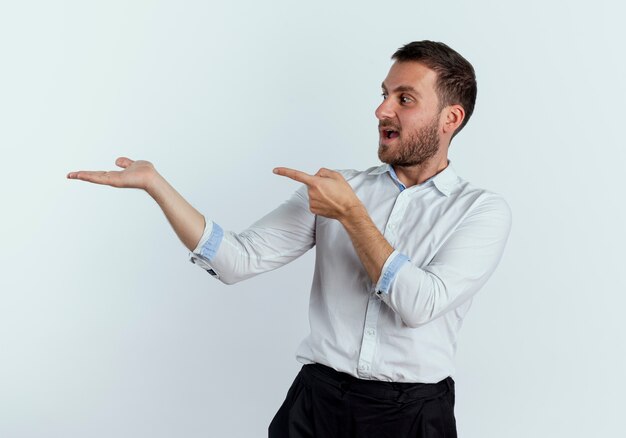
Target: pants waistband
[376, 388]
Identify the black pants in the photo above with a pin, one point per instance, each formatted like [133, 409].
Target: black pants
[324, 403]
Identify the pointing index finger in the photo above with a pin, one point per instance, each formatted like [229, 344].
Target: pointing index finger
[294, 174]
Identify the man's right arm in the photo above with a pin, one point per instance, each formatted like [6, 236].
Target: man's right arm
[187, 222]
[279, 237]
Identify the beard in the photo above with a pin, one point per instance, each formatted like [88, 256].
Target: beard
[414, 150]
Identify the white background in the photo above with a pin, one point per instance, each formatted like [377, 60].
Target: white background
[107, 330]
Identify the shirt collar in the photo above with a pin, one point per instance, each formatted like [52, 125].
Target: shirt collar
[444, 180]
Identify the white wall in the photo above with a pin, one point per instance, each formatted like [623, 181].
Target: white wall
[106, 329]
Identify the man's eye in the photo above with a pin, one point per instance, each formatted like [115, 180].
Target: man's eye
[384, 96]
[405, 99]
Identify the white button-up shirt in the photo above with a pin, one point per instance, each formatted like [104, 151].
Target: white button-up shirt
[448, 237]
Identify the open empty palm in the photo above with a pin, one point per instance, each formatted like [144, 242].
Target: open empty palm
[136, 174]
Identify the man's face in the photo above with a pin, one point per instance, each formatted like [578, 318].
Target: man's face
[409, 116]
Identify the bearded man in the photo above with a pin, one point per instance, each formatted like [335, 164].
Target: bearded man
[401, 250]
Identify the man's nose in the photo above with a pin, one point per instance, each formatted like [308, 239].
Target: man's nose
[385, 110]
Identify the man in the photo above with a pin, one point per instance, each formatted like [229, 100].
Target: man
[401, 249]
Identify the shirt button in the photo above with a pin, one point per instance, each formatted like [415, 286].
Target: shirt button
[371, 332]
[364, 367]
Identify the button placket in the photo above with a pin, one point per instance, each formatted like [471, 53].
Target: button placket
[368, 343]
[397, 213]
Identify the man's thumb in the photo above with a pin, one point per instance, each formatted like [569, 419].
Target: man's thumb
[123, 162]
[328, 173]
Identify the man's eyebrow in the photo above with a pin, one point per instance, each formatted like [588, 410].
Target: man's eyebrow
[401, 89]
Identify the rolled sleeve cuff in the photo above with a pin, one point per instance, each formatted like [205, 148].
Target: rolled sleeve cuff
[392, 265]
[207, 247]
[210, 241]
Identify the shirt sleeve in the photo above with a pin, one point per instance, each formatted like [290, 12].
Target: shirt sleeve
[276, 239]
[458, 270]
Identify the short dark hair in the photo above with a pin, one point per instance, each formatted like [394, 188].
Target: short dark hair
[456, 80]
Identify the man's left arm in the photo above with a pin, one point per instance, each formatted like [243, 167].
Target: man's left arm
[331, 196]
[418, 294]
[461, 266]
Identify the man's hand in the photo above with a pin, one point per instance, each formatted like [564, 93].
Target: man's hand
[188, 223]
[136, 174]
[330, 195]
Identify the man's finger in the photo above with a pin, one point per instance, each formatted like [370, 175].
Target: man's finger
[294, 174]
[96, 177]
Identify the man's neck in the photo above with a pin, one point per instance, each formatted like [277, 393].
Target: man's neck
[413, 175]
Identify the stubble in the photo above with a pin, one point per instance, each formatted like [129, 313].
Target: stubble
[416, 149]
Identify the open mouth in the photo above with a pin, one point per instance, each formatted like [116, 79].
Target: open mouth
[390, 133]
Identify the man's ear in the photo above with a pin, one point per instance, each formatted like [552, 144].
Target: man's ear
[453, 117]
